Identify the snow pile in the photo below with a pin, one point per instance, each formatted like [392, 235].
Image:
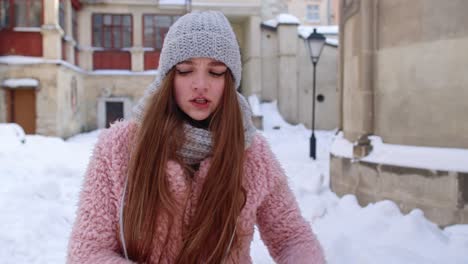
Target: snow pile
[11, 136]
[445, 159]
[41, 180]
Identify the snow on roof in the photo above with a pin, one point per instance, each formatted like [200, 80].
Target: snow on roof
[122, 72]
[18, 60]
[35, 60]
[172, 2]
[281, 19]
[332, 41]
[305, 31]
[431, 158]
[287, 19]
[20, 82]
[271, 23]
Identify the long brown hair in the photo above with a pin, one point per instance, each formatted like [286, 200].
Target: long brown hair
[160, 134]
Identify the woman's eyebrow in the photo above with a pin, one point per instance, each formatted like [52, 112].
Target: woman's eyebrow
[216, 63]
[185, 62]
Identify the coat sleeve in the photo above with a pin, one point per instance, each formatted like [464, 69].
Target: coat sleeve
[288, 237]
[94, 235]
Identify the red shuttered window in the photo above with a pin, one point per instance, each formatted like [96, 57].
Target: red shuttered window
[155, 28]
[112, 31]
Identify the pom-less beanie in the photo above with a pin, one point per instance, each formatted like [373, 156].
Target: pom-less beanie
[197, 34]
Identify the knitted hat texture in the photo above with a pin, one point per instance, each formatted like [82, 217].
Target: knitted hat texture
[197, 34]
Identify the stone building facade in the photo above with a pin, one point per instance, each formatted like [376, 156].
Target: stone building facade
[287, 73]
[92, 60]
[314, 12]
[402, 77]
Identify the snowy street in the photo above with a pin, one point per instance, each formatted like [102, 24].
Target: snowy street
[41, 180]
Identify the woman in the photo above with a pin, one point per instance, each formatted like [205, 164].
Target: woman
[187, 179]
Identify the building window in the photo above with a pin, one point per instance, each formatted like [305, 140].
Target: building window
[112, 31]
[74, 25]
[155, 28]
[62, 14]
[28, 13]
[5, 15]
[313, 13]
[20, 13]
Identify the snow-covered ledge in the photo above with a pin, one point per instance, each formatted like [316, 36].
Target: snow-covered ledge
[431, 158]
[434, 180]
[20, 82]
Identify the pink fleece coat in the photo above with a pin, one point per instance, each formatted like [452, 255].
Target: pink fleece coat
[270, 205]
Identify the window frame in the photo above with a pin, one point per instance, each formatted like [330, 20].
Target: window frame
[74, 21]
[28, 12]
[9, 14]
[310, 12]
[155, 29]
[62, 15]
[12, 19]
[111, 27]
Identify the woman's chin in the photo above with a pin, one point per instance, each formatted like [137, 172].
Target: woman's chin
[198, 117]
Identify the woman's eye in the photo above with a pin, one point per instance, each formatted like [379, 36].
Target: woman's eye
[217, 74]
[183, 72]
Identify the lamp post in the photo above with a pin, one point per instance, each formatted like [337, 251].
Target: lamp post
[314, 45]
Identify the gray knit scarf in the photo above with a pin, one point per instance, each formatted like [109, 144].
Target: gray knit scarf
[198, 142]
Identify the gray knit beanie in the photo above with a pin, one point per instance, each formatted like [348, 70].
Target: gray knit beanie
[197, 34]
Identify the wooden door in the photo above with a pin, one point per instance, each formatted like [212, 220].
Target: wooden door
[21, 108]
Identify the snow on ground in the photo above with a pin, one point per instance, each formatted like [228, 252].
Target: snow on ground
[41, 179]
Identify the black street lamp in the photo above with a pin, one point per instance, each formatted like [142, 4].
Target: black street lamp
[314, 45]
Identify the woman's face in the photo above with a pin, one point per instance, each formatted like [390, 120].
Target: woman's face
[198, 86]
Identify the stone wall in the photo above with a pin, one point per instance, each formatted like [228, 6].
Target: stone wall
[442, 195]
[421, 73]
[46, 94]
[130, 86]
[71, 102]
[326, 92]
[402, 78]
[269, 64]
[404, 71]
[287, 76]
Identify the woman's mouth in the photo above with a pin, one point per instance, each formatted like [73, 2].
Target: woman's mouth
[200, 102]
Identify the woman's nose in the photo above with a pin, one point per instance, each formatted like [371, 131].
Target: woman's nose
[200, 81]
